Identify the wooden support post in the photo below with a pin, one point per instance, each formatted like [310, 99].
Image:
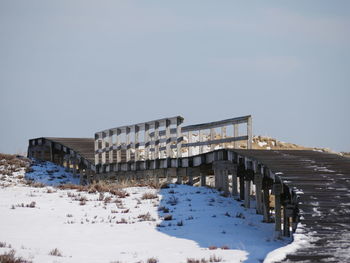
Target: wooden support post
[225, 181]
[241, 187]
[190, 175]
[203, 179]
[157, 175]
[286, 222]
[52, 152]
[266, 202]
[74, 166]
[277, 190]
[234, 181]
[247, 184]
[180, 173]
[217, 176]
[170, 174]
[258, 192]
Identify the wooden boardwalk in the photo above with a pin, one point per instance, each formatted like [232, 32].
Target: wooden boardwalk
[322, 182]
[76, 154]
[307, 191]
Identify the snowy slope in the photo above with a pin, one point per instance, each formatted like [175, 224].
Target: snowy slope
[50, 174]
[94, 227]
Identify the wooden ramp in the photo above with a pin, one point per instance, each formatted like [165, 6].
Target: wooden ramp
[76, 154]
[322, 183]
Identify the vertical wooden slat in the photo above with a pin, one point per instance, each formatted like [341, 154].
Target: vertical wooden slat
[147, 141]
[277, 192]
[223, 135]
[156, 140]
[200, 139]
[127, 132]
[179, 139]
[249, 133]
[167, 138]
[212, 137]
[235, 134]
[234, 181]
[190, 140]
[110, 144]
[136, 143]
[103, 148]
[119, 155]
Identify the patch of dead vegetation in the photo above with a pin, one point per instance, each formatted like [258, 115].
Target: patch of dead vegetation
[55, 252]
[10, 257]
[149, 195]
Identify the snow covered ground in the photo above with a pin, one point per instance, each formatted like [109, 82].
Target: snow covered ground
[168, 225]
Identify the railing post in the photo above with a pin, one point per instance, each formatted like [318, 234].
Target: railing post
[119, 155]
[212, 137]
[223, 135]
[235, 135]
[97, 137]
[168, 138]
[127, 132]
[179, 139]
[136, 143]
[200, 139]
[103, 147]
[110, 144]
[249, 133]
[147, 141]
[156, 140]
[190, 140]
[277, 190]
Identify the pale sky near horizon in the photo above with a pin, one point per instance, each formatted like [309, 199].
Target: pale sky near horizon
[72, 68]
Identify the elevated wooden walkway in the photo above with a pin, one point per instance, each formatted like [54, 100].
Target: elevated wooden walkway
[294, 189]
[322, 184]
[76, 154]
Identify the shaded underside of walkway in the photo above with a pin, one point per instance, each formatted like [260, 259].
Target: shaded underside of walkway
[83, 146]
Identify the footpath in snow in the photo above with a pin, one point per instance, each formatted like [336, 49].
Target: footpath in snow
[135, 224]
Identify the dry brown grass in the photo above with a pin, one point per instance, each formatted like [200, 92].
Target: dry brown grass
[152, 260]
[11, 258]
[192, 260]
[145, 217]
[168, 217]
[55, 252]
[149, 195]
[214, 258]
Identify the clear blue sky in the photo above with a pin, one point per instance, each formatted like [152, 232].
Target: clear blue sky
[71, 68]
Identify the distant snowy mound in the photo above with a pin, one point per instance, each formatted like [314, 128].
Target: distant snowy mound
[49, 173]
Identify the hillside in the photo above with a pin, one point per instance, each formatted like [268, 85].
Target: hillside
[107, 223]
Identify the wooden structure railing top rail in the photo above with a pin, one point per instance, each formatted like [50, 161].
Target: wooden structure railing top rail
[165, 138]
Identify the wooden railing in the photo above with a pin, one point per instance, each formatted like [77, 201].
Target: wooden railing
[165, 138]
